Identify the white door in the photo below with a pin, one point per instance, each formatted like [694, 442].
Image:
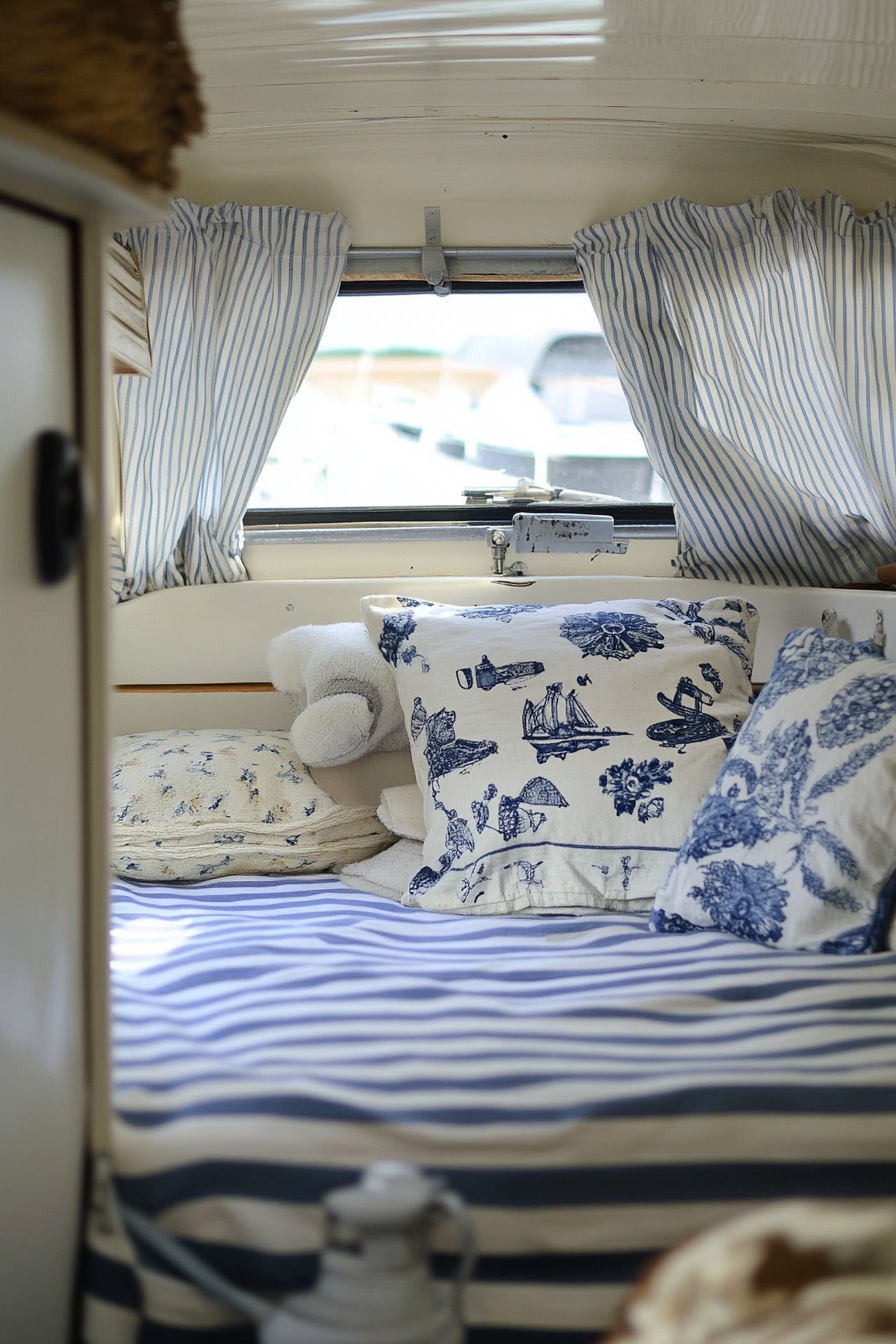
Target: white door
[41, 805]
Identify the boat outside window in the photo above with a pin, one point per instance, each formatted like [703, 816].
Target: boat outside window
[413, 399]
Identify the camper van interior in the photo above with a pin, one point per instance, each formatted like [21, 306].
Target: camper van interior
[387, 386]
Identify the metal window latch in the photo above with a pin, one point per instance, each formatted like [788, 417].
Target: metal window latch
[524, 492]
[547, 533]
[552, 533]
[435, 267]
[556, 532]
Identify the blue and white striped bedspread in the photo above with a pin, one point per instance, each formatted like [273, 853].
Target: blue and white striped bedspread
[594, 1091]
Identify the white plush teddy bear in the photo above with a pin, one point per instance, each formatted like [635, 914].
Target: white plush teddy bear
[342, 691]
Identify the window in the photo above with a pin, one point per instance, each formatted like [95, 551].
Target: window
[414, 399]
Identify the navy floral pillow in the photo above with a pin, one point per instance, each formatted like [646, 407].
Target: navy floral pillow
[795, 846]
[562, 750]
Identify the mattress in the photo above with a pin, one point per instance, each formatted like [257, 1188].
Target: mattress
[594, 1091]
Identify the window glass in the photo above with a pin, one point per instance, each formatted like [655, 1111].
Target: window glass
[412, 399]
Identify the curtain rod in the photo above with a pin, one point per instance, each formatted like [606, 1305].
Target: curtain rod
[466, 261]
[405, 253]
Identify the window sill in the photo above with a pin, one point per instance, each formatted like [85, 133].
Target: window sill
[433, 550]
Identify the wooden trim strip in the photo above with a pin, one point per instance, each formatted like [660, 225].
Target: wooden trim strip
[193, 687]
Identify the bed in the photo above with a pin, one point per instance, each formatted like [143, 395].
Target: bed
[594, 1092]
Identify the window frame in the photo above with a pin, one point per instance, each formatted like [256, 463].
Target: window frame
[378, 281]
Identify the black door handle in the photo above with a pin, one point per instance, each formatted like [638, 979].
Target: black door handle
[59, 505]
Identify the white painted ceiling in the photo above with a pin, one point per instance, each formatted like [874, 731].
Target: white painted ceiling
[525, 119]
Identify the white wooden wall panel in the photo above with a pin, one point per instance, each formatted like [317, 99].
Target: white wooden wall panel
[220, 632]
[517, 184]
[42, 817]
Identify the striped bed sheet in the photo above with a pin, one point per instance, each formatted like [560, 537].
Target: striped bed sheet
[594, 1091]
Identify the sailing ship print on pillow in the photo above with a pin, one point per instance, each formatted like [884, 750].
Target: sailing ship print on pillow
[562, 751]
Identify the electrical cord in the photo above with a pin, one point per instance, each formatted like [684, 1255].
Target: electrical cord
[170, 1250]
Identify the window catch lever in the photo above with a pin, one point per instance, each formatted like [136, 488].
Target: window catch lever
[498, 543]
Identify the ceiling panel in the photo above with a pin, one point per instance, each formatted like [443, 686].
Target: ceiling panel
[302, 93]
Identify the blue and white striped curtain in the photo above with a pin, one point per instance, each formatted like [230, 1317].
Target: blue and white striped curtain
[237, 297]
[757, 346]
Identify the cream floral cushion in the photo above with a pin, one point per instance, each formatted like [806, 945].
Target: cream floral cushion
[192, 804]
[562, 751]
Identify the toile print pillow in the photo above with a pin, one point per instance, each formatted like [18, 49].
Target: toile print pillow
[795, 846]
[562, 751]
